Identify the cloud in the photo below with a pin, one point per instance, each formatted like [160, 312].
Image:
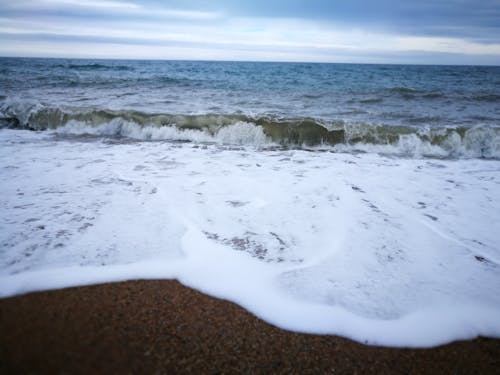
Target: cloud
[44, 5]
[317, 30]
[91, 8]
[451, 18]
[91, 4]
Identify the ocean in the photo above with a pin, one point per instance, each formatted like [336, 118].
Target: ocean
[444, 111]
[357, 200]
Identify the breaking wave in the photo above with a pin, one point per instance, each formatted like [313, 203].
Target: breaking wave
[338, 135]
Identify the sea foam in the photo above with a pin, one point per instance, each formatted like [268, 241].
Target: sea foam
[387, 251]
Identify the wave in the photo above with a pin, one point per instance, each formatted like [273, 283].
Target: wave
[403, 90]
[410, 94]
[486, 98]
[339, 135]
[372, 101]
[433, 95]
[94, 66]
[407, 93]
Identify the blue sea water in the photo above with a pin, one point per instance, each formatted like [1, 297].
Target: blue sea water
[293, 103]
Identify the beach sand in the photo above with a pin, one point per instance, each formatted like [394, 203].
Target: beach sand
[165, 327]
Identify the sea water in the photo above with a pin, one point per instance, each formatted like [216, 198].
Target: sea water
[360, 200]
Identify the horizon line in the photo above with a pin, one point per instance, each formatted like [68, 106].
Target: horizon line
[244, 61]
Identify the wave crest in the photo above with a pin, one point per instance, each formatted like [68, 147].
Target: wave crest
[478, 141]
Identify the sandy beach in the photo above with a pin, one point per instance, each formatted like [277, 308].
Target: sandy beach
[165, 327]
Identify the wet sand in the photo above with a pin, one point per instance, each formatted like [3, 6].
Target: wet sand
[164, 327]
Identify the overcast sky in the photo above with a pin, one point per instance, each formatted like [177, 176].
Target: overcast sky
[383, 31]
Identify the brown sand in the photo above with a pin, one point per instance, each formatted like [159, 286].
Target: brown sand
[164, 327]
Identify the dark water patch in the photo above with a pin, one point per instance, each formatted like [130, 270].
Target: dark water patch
[433, 218]
[371, 101]
[402, 90]
[251, 243]
[312, 96]
[372, 206]
[485, 261]
[175, 81]
[95, 66]
[433, 95]
[353, 111]
[436, 165]
[9, 123]
[424, 120]
[357, 188]
[236, 203]
[408, 96]
[119, 95]
[300, 131]
[481, 118]
[493, 98]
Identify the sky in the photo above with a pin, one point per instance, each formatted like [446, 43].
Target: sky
[357, 31]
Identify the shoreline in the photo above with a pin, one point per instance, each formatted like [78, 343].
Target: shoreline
[161, 326]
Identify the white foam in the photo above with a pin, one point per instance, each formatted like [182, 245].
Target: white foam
[477, 142]
[241, 133]
[409, 145]
[400, 252]
[482, 142]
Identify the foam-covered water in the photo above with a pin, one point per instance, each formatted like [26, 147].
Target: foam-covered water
[291, 189]
[383, 250]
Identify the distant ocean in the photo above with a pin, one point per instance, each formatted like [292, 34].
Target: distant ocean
[445, 111]
[356, 200]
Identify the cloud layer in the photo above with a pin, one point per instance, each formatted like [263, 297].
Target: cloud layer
[387, 31]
